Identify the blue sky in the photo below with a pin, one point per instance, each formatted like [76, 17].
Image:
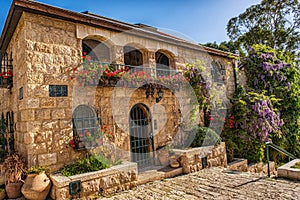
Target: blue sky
[200, 21]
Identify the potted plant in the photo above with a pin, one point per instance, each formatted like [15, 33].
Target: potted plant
[37, 184]
[2, 193]
[13, 171]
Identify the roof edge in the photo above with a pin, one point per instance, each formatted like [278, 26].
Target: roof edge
[20, 6]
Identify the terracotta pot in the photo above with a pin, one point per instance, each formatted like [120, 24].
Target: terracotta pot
[13, 190]
[36, 186]
[2, 195]
[163, 157]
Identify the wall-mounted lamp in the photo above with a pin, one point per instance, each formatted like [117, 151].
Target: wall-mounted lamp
[160, 95]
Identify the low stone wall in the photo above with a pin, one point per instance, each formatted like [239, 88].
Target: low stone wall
[286, 171]
[262, 168]
[106, 181]
[238, 164]
[242, 165]
[194, 159]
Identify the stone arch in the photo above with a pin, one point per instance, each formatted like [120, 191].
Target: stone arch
[140, 54]
[164, 62]
[99, 48]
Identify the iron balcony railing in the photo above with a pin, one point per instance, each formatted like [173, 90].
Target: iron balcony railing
[108, 74]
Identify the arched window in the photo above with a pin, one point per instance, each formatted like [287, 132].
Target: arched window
[98, 51]
[86, 131]
[132, 56]
[162, 64]
[218, 72]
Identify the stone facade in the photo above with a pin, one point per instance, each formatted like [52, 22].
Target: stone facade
[46, 49]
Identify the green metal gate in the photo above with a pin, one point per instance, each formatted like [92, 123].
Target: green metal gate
[141, 136]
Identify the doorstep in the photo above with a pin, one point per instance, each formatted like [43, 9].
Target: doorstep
[158, 173]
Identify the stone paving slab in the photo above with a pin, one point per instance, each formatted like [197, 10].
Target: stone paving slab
[214, 183]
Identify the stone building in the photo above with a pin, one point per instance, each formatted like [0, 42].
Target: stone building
[50, 102]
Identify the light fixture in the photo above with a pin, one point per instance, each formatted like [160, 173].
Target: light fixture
[160, 95]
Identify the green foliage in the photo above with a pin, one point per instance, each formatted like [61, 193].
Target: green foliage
[229, 46]
[272, 88]
[239, 144]
[274, 23]
[89, 164]
[204, 136]
[297, 165]
[36, 170]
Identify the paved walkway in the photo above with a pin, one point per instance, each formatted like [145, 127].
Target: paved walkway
[215, 183]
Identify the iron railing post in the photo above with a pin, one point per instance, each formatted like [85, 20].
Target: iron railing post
[268, 159]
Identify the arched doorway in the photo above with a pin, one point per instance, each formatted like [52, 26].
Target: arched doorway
[141, 135]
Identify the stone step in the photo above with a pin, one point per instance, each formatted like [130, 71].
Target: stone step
[158, 173]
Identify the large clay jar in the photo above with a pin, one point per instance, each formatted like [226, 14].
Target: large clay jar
[36, 186]
[13, 190]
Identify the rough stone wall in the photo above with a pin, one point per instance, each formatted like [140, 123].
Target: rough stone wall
[45, 50]
[191, 159]
[43, 122]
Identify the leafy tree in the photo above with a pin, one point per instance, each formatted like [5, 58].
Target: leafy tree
[229, 46]
[275, 23]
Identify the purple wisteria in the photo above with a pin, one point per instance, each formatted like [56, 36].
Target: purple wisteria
[261, 119]
[267, 69]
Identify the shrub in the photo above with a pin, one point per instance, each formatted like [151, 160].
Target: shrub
[204, 136]
[89, 164]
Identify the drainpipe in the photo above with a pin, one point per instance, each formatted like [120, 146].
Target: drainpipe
[235, 73]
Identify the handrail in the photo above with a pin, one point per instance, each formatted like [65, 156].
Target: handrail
[279, 149]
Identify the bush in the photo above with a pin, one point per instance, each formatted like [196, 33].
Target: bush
[89, 164]
[204, 136]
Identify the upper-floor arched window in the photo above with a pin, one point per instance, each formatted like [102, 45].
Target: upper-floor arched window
[218, 72]
[98, 51]
[132, 56]
[162, 64]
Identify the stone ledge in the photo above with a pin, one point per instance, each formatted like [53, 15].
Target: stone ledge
[239, 164]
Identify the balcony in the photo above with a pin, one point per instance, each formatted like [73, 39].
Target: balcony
[115, 75]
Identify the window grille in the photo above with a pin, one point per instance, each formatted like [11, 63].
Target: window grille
[6, 70]
[86, 131]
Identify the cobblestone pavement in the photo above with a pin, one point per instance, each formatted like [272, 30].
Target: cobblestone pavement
[215, 183]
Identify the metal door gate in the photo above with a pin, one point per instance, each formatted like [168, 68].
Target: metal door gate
[141, 137]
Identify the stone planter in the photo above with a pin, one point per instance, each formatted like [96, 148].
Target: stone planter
[286, 171]
[106, 181]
